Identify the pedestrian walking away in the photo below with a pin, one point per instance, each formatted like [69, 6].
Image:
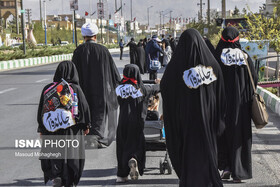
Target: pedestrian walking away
[133, 97]
[152, 53]
[167, 52]
[141, 57]
[56, 102]
[121, 48]
[193, 107]
[132, 51]
[236, 143]
[98, 76]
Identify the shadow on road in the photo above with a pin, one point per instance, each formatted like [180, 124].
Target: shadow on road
[26, 182]
[100, 172]
[46, 72]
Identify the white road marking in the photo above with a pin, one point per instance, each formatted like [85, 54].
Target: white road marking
[42, 80]
[7, 90]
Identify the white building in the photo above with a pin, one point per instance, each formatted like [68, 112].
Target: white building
[269, 7]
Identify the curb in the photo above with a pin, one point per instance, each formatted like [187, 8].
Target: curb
[271, 100]
[29, 62]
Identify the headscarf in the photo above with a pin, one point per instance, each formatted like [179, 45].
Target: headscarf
[131, 74]
[229, 39]
[166, 42]
[66, 70]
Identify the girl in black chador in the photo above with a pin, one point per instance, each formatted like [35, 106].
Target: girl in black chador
[67, 169]
[133, 97]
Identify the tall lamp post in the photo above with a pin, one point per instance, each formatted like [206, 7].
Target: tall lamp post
[148, 9]
[45, 23]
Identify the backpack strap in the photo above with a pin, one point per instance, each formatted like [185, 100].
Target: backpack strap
[47, 90]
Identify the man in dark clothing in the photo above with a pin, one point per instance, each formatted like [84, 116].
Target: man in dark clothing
[152, 53]
[99, 77]
[121, 48]
[172, 43]
[132, 51]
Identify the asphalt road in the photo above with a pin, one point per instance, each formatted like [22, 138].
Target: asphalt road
[19, 96]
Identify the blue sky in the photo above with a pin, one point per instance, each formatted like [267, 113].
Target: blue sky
[186, 8]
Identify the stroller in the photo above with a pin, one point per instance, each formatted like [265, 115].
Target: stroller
[155, 135]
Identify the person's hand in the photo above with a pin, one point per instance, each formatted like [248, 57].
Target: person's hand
[157, 81]
[86, 132]
[40, 135]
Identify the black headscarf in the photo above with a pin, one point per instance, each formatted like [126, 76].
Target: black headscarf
[228, 34]
[67, 71]
[132, 71]
[193, 115]
[166, 42]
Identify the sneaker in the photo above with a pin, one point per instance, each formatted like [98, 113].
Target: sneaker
[237, 181]
[225, 175]
[121, 179]
[56, 182]
[134, 173]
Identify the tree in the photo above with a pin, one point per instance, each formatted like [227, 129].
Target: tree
[264, 28]
[244, 11]
[236, 11]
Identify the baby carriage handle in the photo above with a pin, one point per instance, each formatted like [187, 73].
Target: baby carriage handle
[149, 82]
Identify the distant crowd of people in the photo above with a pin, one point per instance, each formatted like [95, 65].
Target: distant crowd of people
[145, 50]
[206, 96]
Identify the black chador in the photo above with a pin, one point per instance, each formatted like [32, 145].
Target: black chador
[133, 98]
[141, 58]
[236, 143]
[99, 77]
[132, 51]
[69, 169]
[193, 108]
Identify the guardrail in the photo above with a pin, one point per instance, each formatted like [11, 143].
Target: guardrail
[29, 62]
[271, 100]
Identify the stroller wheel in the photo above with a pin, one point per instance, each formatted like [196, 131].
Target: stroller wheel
[161, 167]
[169, 167]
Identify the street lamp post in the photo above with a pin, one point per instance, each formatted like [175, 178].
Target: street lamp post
[23, 28]
[45, 7]
[149, 15]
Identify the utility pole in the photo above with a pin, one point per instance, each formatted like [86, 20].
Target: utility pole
[224, 9]
[148, 9]
[23, 28]
[208, 12]
[75, 26]
[200, 10]
[40, 4]
[28, 12]
[116, 5]
[121, 8]
[45, 12]
[17, 16]
[131, 10]
[170, 19]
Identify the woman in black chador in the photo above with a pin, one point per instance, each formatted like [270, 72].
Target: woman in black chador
[66, 171]
[235, 144]
[133, 99]
[193, 108]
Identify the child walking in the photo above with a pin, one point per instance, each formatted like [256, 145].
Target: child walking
[133, 97]
[63, 111]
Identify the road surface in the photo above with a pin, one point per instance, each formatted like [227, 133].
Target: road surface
[19, 96]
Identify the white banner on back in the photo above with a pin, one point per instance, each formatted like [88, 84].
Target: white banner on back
[58, 119]
[199, 75]
[231, 57]
[127, 90]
